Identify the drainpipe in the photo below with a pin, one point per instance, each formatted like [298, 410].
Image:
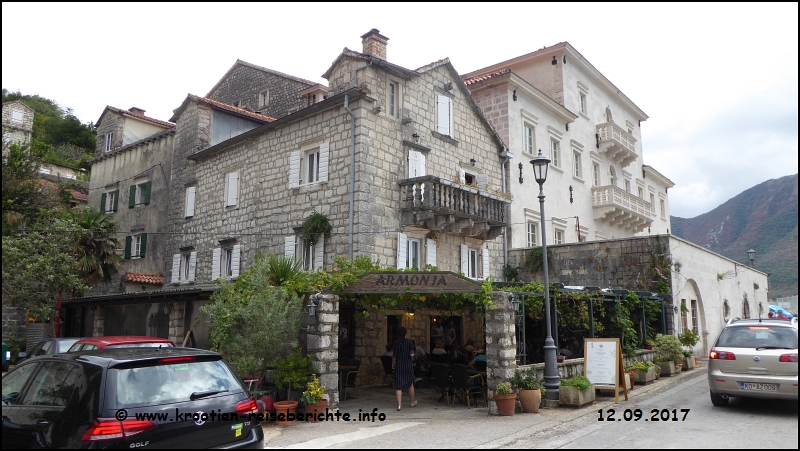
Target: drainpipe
[506, 156]
[352, 167]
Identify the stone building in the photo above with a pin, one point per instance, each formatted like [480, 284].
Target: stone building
[17, 122]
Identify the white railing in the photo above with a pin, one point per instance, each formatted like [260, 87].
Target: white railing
[613, 132]
[614, 196]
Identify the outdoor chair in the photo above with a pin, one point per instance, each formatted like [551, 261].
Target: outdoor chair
[351, 378]
[462, 383]
[441, 380]
[387, 368]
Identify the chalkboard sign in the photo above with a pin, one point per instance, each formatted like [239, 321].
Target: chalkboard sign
[602, 364]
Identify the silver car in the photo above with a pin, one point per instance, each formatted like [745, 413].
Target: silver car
[755, 358]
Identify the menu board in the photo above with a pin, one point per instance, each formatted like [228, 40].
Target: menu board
[601, 361]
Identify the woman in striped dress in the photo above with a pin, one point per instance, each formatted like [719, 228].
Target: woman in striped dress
[403, 366]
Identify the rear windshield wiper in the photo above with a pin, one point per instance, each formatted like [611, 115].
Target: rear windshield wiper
[760, 348]
[203, 394]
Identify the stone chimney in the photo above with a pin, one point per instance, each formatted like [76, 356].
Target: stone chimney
[374, 44]
[137, 111]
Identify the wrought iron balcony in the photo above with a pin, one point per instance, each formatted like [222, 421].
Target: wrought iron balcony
[443, 205]
[617, 207]
[616, 143]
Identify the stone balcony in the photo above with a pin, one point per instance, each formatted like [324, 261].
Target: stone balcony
[445, 206]
[616, 143]
[616, 207]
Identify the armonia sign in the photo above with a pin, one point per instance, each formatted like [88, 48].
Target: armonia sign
[414, 282]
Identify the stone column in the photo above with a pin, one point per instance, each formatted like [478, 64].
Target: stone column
[177, 322]
[99, 322]
[322, 343]
[501, 345]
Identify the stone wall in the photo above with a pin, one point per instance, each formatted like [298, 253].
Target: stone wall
[322, 343]
[112, 122]
[501, 345]
[572, 367]
[14, 321]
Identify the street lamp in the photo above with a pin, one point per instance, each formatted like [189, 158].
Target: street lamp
[551, 379]
[752, 255]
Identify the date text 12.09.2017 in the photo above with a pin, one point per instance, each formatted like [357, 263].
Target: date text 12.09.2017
[639, 415]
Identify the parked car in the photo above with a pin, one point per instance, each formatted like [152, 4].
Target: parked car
[49, 346]
[754, 358]
[128, 398]
[120, 341]
[6, 357]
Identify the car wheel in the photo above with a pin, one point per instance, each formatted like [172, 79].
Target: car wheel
[718, 400]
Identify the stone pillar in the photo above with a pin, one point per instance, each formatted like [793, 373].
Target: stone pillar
[99, 322]
[501, 345]
[322, 343]
[177, 322]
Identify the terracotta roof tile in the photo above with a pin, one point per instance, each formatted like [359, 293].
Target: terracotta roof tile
[139, 116]
[240, 111]
[138, 277]
[484, 77]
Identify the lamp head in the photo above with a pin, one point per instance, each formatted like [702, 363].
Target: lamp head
[540, 164]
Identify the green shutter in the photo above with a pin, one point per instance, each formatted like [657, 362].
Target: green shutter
[128, 240]
[116, 200]
[147, 193]
[132, 197]
[103, 202]
[144, 245]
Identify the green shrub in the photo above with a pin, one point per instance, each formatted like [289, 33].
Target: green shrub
[503, 388]
[579, 381]
[667, 347]
[526, 379]
[292, 371]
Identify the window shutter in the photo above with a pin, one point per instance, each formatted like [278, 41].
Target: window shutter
[236, 259]
[190, 194]
[319, 253]
[483, 181]
[421, 165]
[413, 164]
[462, 175]
[464, 259]
[132, 197]
[192, 265]
[144, 245]
[116, 200]
[294, 169]
[147, 188]
[288, 246]
[402, 250]
[430, 256]
[443, 114]
[485, 254]
[232, 191]
[215, 257]
[324, 156]
[103, 202]
[128, 240]
[450, 116]
[176, 268]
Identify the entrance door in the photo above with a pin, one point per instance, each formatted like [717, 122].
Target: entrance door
[346, 331]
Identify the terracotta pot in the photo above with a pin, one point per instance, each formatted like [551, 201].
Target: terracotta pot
[316, 409]
[560, 359]
[506, 404]
[632, 375]
[530, 400]
[696, 361]
[286, 408]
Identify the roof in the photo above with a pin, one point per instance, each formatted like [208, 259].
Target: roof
[47, 180]
[394, 68]
[262, 69]
[169, 131]
[19, 102]
[484, 77]
[133, 114]
[140, 277]
[132, 297]
[658, 176]
[263, 118]
[123, 340]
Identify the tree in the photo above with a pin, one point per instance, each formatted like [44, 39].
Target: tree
[94, 245]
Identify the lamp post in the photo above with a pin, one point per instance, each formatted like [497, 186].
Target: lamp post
[551, 379]
[752, 255]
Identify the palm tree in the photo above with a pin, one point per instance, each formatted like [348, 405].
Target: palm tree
[95, 245]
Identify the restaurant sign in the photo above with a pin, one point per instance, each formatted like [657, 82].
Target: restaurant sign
[412, 282]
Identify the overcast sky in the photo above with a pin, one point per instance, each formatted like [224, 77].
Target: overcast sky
[718, 81]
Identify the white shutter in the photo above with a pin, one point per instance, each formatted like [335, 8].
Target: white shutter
[190, 195]
[236, 259]
[462, 176]
[176, 268]
[215, 257]
[319, 253]
[485, 254]
[192, 266]
[421, 165]
[430, 252]
[288, 246]
[465, 259]
[483, 181]
[413, 164]
[324, 156]
[443, 114]
[450, 116]
[294, 169]
[402, 250]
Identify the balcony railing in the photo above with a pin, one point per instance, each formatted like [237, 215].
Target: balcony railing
[443, 205]
[615, 206]
[616, 143]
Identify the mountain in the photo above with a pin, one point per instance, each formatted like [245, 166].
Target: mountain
[763, 218]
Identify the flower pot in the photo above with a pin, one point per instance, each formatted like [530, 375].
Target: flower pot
[530, 400]
[688, 363]
[287, 408]
[648, 346]
[560, 359]
[643, 377]
[315, 409]
[505, 404]
[667, 368]
[632, 378]
[696, 361]
[573, 396]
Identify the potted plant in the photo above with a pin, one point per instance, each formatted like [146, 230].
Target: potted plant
[630, 373]
[688, 361]
[530, 395]
[645, 371]
[668, 351]
[314, 400]
[658, 371]
[689, 339]
[291, 372]
[505, 399]
[576, 391]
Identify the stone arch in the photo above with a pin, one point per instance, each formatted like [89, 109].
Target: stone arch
[701, 312]
[745, 307]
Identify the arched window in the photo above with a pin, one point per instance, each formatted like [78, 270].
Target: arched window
[745, 308]
[612, 176]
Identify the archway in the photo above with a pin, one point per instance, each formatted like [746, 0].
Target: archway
[696, 303]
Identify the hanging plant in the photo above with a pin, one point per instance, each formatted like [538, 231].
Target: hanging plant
[314, 225]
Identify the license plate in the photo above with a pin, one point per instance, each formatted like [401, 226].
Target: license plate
[758, 387]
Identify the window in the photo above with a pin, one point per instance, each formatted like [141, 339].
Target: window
[139, 194]
[627, 186]
[531, 234]
[444, 116]
[310, 257]
[53, 385]
[16, 116]
[183, 267]
[558, 236]
[6, 138]
[413, 254]
[583, 103]
[663, 208]
[135, 246]
[227, 262]
[745, 308]
[684, 315]
[472, 260]
[652, 202]
[189, 201]
[694, 315]
[109, 141]
[641, 193]
[555, 151]
[576, 157]
[263, 99]
[596, 174]
[308, 166]
[612, 176]
[312, 99]
[109, 201]
[393, 97]
[472, 269]
[231, 189]
[527, 140]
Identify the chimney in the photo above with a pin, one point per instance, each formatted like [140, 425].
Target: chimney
[137, 111]
[374, 44]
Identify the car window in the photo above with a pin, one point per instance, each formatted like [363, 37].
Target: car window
[88, 347]
[37, 350]
[75, 347]
[14, 381]
[63, 345]
[53, 385]
[757, 337]
[48, 345]
[174, 382]
[141, 345]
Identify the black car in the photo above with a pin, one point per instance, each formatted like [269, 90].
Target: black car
[50, 346]
[128, 398]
